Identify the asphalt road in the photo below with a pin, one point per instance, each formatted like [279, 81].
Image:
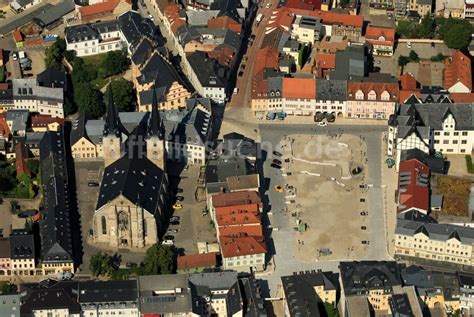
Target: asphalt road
[284, 254]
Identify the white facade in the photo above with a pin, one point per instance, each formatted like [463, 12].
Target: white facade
[189, 153]
[112, 309]
[59, 312]
[97, 46]
[412, 141]
[449, 140]
[28, 95]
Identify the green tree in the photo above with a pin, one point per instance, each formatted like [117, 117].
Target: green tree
[100, 264]
[159, 259]
[122, 90]
[455, 33]
[413, 56]
[6, 287]
[82, 72]
[3, 75]
[34, 166]
[331, 311]
[23, 178]
[438, 58]
[89, 100]
[426, 27]
[114, 63]
[54, 54]
[403, 60]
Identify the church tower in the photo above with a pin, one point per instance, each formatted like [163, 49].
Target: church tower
[155, 145]
[112, 138]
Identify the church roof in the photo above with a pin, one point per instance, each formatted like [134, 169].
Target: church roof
[137, 179]
[155, 125]
[112, 120]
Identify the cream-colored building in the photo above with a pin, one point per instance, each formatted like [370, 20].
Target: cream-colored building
[307, 29]
[433, 241]
[422, 7]
[29, 95]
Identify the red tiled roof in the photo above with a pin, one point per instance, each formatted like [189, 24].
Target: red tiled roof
[413, 193]
[192, 261]
[405, 94]
[238, 209]
[18, 36]
[327, 61]
[378, 88]
[236, 199]
[4, 129]
[457, 69]
[98, 8]
[266, 57]
[240, 246]
[237, 219]
[329, 17]
[282, 19]
[407, 82]
[172, 15]
[299, 88]
[462, 98]
[303, 5]
[223, 56]
[3, 86]
[21, 156]
[380, 35]
[42, 120]
[222, 23]
[254, 230]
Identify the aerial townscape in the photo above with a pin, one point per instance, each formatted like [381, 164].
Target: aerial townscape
[236, 158]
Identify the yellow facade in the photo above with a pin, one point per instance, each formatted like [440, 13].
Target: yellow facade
[175, 99]
[57, 267]
[379, 300]
[84, 148]
[259, 105]
[327, 296]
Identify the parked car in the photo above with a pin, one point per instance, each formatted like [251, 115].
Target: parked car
[91, 233]
[363, 228]
[278, 162]
[130, 264]
[172, 231]
[277, 153]
[322, 124]
[179, 190]
[15, 56]
[175, 222]
[365, 242]
[408, 44]
[179, 198]
[240, 73]
[364, 213]
[27, 68]
[175, 218]
[27, 75]
[93, 184]
[275, 166]
[177, 206]
[167, 242]
[168, 237]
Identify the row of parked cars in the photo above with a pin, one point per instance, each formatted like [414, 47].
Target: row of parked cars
[25, 62]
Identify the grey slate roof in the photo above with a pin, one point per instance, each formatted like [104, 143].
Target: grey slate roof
[209, 72]
[361, 277]
[52, 78]
[187, 33]
[109, 291]
[432, 115]
[436, 231]
[29, 89]
[78, 129]
[55, 223]
[22, 245]
[332, 89]
[79, 33]
[19, 118]
[142, 52]
[350, 63]
[10, 305]
[49, 295]
[54, 13]
[135, 27]
[400, 305]
[163, 74]
[137, 179]
[301, 297]
[187, 126]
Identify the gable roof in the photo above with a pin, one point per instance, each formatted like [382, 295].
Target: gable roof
[413, 186]
[98, 8]
[241, 246]
[380, 35]
[378, 88]
[192, 261]
[457, 69]
[299, 88]
[137, 179]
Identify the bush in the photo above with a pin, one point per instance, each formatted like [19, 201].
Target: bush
[438, 58]
[469, 165]
[3, 75]
[413, 56]
[403, 60]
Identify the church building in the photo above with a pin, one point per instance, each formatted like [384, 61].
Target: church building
[131, 207]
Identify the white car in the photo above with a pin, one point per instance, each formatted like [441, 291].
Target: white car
[15, 56]
[409, 44]
[167, 242]
[268, 5]
[322, 124]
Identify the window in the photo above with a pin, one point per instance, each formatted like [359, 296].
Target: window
[464, 133]
[104, 225]
[463, 141]
[437, 133]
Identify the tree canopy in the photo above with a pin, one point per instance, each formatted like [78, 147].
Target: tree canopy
[100, 264]
[89, 100]
[114, 63]
[455, 33]
[54, 54]
[122, 91]
[403, 60]
[159, 259]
